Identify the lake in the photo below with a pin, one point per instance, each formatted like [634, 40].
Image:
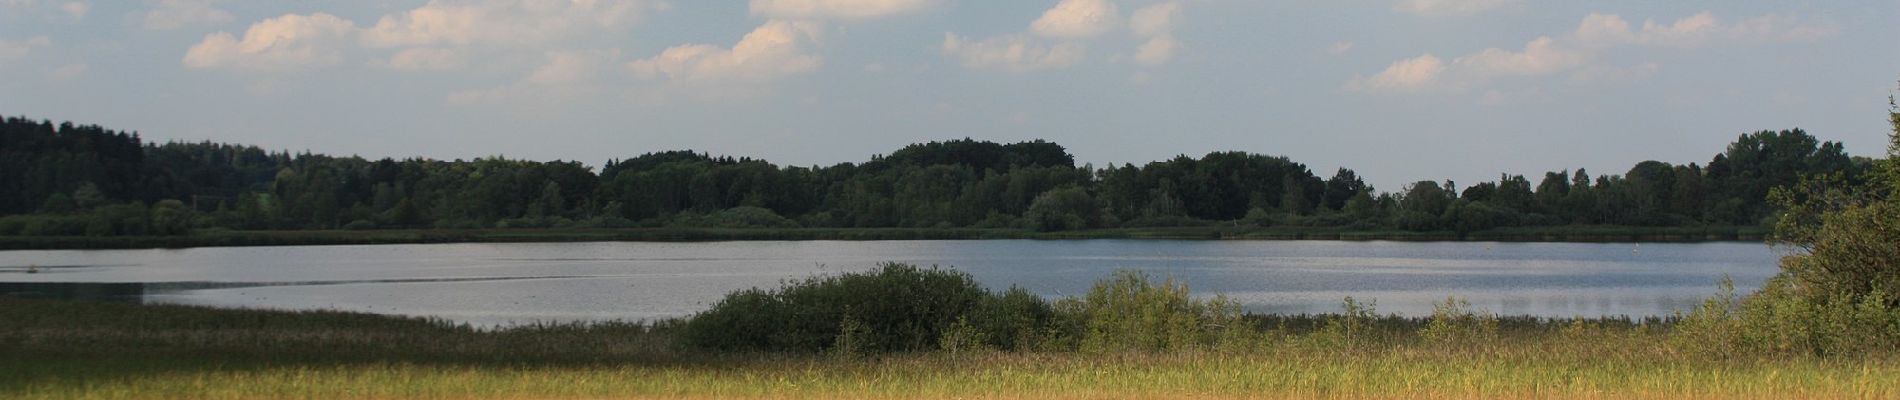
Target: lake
[502, 284]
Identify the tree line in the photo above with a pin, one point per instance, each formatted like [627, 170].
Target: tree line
[67, 179]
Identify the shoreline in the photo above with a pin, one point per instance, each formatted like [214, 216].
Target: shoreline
[1558, 234]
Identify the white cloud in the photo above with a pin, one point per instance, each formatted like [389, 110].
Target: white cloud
[1597, 33]
[286, 42]
[1013, 53]
[563, 76]
[1156, 51]
[1077, 19]
[569, 67]
[426, 59]
[842, 9]
[774, 50]
[174, 14]
[509, 22]
[1603, 30]
[1410, 74]
[1539, 57]
[1155, 20]
[14, 50]
[1452, 8]
[1060, 37]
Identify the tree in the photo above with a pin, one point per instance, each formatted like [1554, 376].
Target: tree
[1064, 208]
[1552, 190]
[1344, 185]
[170, 217]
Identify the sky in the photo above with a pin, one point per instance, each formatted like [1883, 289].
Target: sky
[1399, 91]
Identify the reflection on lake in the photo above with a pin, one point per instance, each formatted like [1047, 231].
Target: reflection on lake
[498, 284]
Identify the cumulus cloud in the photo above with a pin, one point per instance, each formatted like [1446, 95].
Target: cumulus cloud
[1013, 53]
[1452, 8]
[561, 76]
[1059, 38]
[1155, 20]
[774, 50]
[14, 50]
[1604, 30]
[1539, 57]
[841, 9]
[290, 41]
[174, 14]
[508, 22]
[1577, 50]
[1156, 51]
[1077, 19]
[1404, 75]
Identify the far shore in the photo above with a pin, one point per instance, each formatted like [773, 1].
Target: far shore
[222, 238]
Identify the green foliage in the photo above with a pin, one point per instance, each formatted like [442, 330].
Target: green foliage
[1455, 324]
[1837, 294]
[1014, 320]
[1061, 209]
[896, 307]
[1350, 330]
[736, 217]
[1130, 312]
[171, 218]
[68, 169]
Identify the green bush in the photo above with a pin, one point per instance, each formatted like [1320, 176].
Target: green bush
[1015, 320]
[1131, 312]
[1838, 294]
[896, 307]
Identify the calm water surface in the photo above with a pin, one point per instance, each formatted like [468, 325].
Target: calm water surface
[501, 284]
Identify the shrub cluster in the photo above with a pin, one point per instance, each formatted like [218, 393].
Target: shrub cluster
[1838, 293]
[896, 307]
[1131, 312]
[899, 307]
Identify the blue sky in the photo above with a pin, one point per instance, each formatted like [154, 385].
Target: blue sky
[1399, 90]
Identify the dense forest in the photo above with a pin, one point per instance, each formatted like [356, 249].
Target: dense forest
[82, 180]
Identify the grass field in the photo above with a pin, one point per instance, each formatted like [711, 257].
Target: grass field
[61, 350]
[338, 237]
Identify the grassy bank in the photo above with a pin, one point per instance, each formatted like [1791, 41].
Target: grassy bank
[58, 349]
[342, 237]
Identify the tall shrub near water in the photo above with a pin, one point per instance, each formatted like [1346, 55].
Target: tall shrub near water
[1132, 312]
[1839, 289]
[896, 307]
